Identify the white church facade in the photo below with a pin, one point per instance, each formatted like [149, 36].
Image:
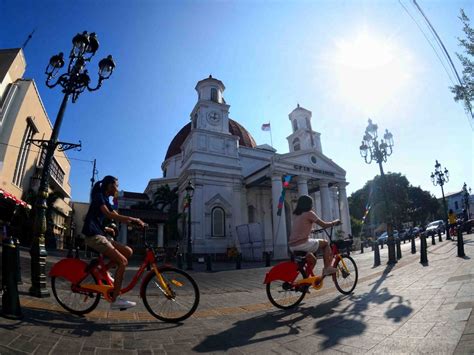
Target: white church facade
[239, 183]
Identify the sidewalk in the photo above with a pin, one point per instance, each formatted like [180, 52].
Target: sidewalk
[408, 308]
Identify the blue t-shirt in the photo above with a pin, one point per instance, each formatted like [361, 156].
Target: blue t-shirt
[93, 224]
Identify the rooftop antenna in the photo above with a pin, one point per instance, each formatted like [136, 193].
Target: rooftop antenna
[28, 39]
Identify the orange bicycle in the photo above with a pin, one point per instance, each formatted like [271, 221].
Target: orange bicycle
[168, 293]
[288, 282]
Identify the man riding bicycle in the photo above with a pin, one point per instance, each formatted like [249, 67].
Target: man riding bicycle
[96, 234]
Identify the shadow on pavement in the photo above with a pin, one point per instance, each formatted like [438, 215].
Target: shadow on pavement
[76, 326]
[334, 325]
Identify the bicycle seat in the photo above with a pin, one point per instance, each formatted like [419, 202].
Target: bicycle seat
[299, 253]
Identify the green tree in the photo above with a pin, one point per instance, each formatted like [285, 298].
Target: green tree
[423, 207]
[406, 203]
[465, 91]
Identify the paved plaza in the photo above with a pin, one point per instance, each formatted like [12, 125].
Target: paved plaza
[405, 309]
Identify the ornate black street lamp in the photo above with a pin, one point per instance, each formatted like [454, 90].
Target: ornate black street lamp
[373, 150]
[75, 81]
[189, 253]
[440, 177]
[466, 193]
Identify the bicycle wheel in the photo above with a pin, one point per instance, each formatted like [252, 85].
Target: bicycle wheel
[174, 307]
[284, 294]
[346, 277]
[73, 300]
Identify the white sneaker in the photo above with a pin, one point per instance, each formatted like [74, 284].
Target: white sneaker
[110, 277]
[122, 304]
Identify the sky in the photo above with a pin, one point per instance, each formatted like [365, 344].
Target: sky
[346, 61]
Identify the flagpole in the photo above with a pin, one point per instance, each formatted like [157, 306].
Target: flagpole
[271, 137]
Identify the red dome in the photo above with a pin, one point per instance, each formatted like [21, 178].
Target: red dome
[246, 140]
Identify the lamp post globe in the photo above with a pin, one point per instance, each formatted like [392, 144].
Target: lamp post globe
[440, 177]
[372, 149]
[73, 81]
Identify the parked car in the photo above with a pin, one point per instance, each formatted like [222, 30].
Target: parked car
[435, 227]
[384, 237]
[404, 234]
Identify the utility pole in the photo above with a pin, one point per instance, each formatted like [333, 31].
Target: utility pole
[94, 171]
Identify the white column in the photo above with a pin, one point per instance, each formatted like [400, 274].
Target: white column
[302, 185]
[236, 212]
[344, 210]
[325, 203]
[160, 234]
[279, 222]
[334, 203]
[317, 203]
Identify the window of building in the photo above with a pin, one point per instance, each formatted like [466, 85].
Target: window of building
[251, 213]
[295, 126]
[296, 144]
[456, 205]
[6, 100]
[214, 94]
[195, 119]
[23, 153]
[56, 172]
[308, 123]
[218, 222]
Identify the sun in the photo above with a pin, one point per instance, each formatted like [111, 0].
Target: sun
[369, 72]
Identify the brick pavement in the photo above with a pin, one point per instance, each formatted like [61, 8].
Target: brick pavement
[408, 308]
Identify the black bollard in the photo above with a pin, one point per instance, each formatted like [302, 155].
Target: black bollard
[18, 263]
[439, 235]
[399, 250]
[362, 248]
[460, 243]
[238, 261]
[69, 251]
[376, 254]
[267, 258]
[179, 260]
[413, 245]
[10, 298]
[433, 240]
[77, 253]
[208, 262]
[423, 251]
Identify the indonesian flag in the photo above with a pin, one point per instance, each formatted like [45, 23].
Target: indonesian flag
[266, 127]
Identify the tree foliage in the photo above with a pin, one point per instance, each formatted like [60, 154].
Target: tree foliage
[406, 203]
[465, 91]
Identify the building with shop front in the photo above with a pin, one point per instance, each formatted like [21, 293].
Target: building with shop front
[238, 183]
[22, 118]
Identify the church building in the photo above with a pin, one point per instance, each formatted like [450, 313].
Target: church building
[238, 183]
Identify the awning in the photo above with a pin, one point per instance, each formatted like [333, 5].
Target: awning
[8, 197]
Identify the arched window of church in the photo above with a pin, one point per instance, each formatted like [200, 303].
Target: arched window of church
[295, 126]
[195, 120]
[296, 144]
[251, 214]
[308, 123]
[214, 95]
[218, 222]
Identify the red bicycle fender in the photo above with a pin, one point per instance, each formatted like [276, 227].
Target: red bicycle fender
[71, 269]
[285, 271]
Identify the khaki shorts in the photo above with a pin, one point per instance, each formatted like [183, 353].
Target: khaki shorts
[100, 243]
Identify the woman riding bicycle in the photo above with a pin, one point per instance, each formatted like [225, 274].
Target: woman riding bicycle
[96, 238]
[299, 237]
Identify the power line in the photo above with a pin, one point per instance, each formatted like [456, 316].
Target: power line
[440, 42]
[429, 42]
